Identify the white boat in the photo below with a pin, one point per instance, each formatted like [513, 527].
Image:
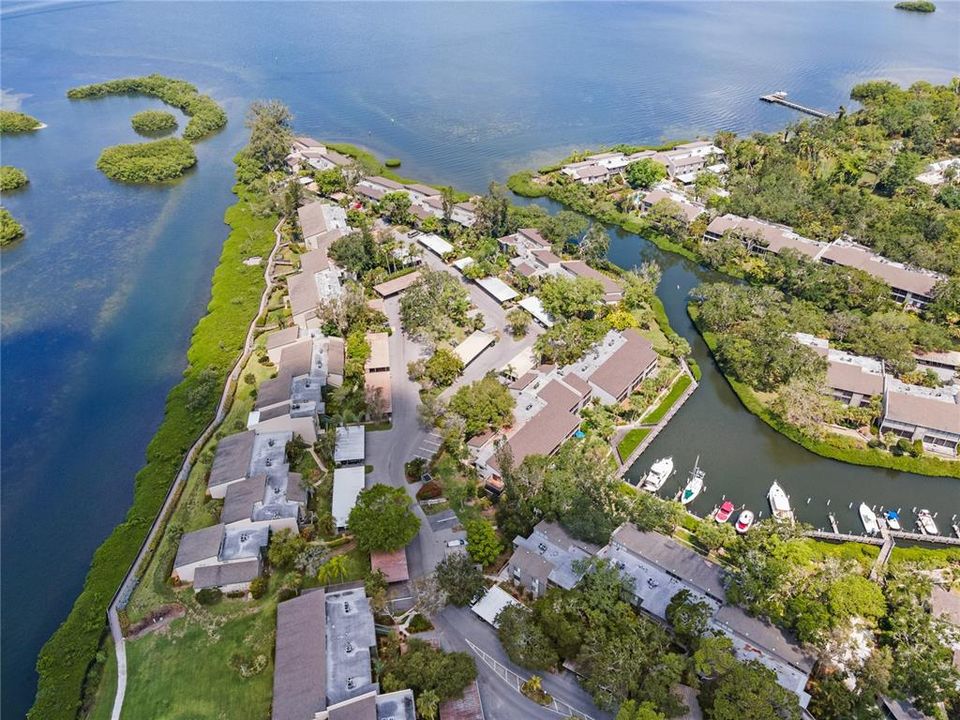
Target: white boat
[744, 521]
[659, 473]
[779, 503]
[926, 523]
[869, 519]
[893, 520]
[694, 485]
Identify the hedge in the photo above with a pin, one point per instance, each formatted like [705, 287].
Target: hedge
[206, 116]
[925, 465]
[216, 343]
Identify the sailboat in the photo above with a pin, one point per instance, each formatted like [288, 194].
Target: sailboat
[660, 471]
[779, 503]
[744, 521]
[694, 485]
[869, 519]
[926, 523]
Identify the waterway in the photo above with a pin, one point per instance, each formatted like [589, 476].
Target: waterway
[99, 300]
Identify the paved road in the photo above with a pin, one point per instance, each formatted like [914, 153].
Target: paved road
[501, 702]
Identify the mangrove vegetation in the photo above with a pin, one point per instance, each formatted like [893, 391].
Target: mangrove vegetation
[147, 162]
[154, 122]
[17, 122]
[10, 229]
[12, 178]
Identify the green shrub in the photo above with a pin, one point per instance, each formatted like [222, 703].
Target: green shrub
[12, 178]
[206, 116]
[209, 596]
[17, 122]
[147, 162]
[418, 624]
[259, 586]
[10, 229]
[413, 469]
[392, 162]
[154, 122]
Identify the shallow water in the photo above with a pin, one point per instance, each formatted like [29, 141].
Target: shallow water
[99, 301]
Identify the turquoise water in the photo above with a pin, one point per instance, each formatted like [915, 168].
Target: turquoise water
[99, 300]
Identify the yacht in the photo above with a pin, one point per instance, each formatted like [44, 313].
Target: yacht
[926, 523]
[893, 520]
[724, 512]
[869, 519]
[744, 521]
[660, 471]
[779, 503]
[694, 485]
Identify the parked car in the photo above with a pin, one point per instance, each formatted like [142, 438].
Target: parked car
[460, 542]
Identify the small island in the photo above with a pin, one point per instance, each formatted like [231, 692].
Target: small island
[206, 116]
[920, 6]
[147, 162]
[154, 122]
[12, 178]
[18, 122]
[10, 229]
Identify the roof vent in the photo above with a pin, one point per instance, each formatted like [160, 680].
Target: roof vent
[271, 442]
[351, 683]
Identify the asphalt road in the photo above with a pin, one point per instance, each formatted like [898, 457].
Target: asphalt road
[500, 701]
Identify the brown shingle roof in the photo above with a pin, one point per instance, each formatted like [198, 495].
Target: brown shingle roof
[922, 411]
[392, 564]
[300, 670]
[611, 288]
[399, 284]
[625, 365]
[852, 378]
[557, 395]
[895, 275]
[541, 435]
[282, 337]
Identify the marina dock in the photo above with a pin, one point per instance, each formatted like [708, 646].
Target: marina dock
[879, 541]
[780, 98]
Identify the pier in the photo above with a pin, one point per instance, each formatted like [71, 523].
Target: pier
[879, 541]
[780, 98]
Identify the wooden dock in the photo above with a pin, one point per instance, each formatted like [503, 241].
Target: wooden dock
[879, 541]
[780, 98]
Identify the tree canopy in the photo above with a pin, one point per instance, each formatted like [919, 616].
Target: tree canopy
[382, 519]
[484, 405]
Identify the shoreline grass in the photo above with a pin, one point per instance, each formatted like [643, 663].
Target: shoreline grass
[217, 341]
[669, 400]
[630, 441]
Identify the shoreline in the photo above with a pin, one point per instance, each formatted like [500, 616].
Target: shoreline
[70, 654]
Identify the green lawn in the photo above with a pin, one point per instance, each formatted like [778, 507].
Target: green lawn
[679, 387]
[630, 441]
[186, 672]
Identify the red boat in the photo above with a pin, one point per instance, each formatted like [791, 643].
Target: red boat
[725, 511]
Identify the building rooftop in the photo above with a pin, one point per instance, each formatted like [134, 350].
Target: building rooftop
[922, 407]
[319, 216]
[550, 543]
[691, 210]
[350, 444]
[269, 455]
[853, 378]
[392, 564]
[379, 343]
[282, 337]
[769, 637]
[897, 275]
[241, 499]
[347, 484]
[350, 635]
[776, 238]
[540, 435]
[380, 383]
[475, 343]
[243, 543]
[435, 243]
[628, 361]
[300, 665]
[611, 288]
[199, 545]
[532, 305]
[399, 284]
[497, 288]
[493, 601]
[231, 460]
[214, 576]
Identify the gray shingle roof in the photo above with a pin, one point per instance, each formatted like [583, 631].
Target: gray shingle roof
[199, 545]
[232, 458]
[240, 499]
[300, 671]
[214, 576]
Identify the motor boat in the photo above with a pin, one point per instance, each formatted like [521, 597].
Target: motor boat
[744, 521]
[694, 485]
[869, 519]
[926, 523]
[659, 473]
[893, 520]
[779, 503]
[724, 512]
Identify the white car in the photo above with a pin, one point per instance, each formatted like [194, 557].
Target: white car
[456, 543]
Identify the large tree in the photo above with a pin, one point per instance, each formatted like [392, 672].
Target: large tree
[434, 306]
[749, 690]
[271, 136]
[382, 519]
[484, 405]
[645, 173]
[424, 669]
[483, 545]
[565, 297]
[524, 640]
[460, 578]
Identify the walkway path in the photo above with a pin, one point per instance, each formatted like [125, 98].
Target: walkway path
[627, 463]
[122, 596]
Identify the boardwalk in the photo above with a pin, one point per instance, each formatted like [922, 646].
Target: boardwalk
[780, 98]
[879, 541]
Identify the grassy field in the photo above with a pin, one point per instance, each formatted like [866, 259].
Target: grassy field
[679, 387]
[630, 441]
[188, 670]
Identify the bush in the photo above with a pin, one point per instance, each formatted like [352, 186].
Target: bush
[12, 178]
[10, 229]
[419, 624]
[17, 122]
[154, 122]
[392, 162]
[206, 117]
[147, 162]
[209, 596]
[259, 586]
[414, 468]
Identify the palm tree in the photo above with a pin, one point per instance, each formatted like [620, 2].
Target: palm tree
[333, 570]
